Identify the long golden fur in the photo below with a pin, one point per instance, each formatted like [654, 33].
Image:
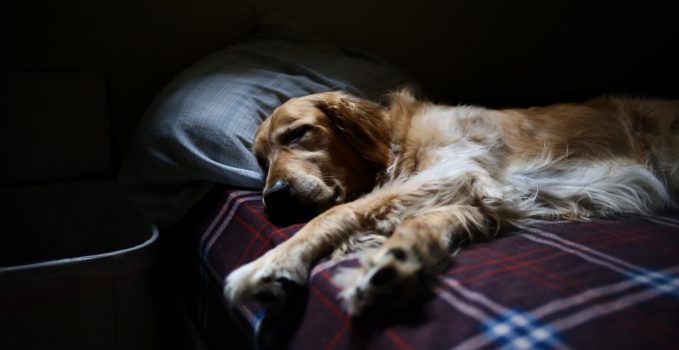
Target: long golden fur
[414, 178]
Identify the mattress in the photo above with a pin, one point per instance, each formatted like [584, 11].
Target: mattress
[605, 283]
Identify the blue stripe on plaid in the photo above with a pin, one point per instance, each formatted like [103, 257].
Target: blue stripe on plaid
[516, 329]
[260, 313]
[657, 280]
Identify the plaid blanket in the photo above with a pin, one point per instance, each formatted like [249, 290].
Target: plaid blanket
[598, 284]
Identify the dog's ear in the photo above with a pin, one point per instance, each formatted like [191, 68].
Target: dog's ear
[362, 123]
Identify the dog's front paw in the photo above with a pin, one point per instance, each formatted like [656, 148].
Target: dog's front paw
[388, 276]
[268, 280]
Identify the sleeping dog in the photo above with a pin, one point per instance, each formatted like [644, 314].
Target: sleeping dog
[408, 181]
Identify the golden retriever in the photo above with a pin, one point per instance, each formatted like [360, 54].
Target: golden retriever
[412, 179]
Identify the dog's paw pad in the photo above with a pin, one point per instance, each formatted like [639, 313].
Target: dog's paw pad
[267, 282]
[398, 253]
[287, 284]
[386, 276]
[265, 297]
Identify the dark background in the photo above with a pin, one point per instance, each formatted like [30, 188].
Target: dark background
[77, 75]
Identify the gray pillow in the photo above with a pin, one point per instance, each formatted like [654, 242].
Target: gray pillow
[200, 128]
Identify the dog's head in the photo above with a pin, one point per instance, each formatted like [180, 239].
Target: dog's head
[321, 150]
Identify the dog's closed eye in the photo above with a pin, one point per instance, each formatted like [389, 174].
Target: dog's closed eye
[295, 135]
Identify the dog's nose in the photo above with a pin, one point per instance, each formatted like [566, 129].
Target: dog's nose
[283, 207]
[278, 195]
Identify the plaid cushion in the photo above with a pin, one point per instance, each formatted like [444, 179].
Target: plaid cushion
[598, 284]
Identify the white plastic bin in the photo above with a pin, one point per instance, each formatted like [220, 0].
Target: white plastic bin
[75, 269]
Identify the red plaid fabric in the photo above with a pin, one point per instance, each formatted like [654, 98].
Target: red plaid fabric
[599, 284]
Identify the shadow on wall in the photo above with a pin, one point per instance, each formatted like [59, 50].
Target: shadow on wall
[117, 55]
[133, 47]
[506, 52]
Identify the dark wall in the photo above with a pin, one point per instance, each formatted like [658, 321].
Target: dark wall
[509, 52]
[118, 54]
[134, 47]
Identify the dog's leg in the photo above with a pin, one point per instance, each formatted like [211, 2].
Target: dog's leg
[400, 267]
[270, 278]
[423, 236]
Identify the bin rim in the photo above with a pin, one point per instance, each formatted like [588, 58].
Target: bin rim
[84, 258]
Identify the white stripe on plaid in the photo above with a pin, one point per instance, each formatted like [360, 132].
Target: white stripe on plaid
[474, 296]
[656, 221]
[637, 273]
[519, 330]
[460, 305]
[662, 282]
[582, 251]
[663, 220]
[502, 337]
[211, 235]
[590, 295]
[219, 216]
[218, 231]
[618, 304]
[509, 329]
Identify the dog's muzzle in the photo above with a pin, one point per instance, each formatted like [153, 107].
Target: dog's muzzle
[283, 205]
